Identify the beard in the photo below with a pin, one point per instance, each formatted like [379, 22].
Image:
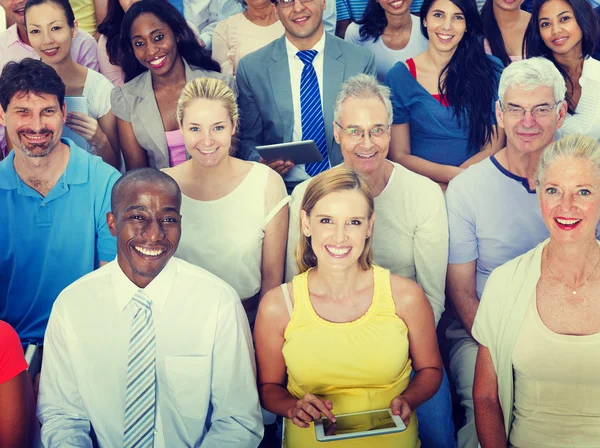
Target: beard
[36, 150]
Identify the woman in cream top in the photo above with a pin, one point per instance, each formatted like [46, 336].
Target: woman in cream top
[538, 323]
[244, 33]
[235, 213]
[344, 335]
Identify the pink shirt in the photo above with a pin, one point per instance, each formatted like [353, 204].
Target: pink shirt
[176, 146]
[83, 49]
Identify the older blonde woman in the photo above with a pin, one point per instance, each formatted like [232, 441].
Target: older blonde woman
[536, 378]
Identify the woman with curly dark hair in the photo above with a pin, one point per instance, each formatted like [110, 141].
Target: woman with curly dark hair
[159, 54]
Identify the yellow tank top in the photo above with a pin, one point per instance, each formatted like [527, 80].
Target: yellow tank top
[359, 366]
[85, 13]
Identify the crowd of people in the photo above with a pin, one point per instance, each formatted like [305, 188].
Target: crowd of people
[440, 261]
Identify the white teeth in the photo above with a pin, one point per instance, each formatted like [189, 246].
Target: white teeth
[567, 222]
[338, 251]
[157, 61]
[396, 4]
[445, 36]
[365, 156]
[209, 151]
[35, 137]
[150, 253]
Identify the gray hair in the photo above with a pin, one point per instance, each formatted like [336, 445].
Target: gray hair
[363, 87]
[576, 146]
[531, 74]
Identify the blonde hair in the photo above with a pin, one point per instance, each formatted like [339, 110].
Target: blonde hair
[208, 89]
[336, 179]
[575, 146]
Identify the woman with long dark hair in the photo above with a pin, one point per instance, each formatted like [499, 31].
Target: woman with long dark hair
[159, 54]
[566, 32]
[504, 23]
[108, 42]
[390, 31]
[444, 98]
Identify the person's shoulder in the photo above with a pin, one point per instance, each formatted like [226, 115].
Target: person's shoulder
[591, 68]
[520, 265]
[7, 333]
[100, 83]
[406, 292]
[353, 33]
[100, 171]
[415, 183]
[77, 291]
[399, 72]
[205, 282]
[474, 176]
[83, 36]
[256, 59]
[300, 189]
[350, 50]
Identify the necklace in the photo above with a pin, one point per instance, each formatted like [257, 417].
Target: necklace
[575, 288]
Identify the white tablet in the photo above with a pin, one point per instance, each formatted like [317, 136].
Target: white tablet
[305, 151]
[360, 424]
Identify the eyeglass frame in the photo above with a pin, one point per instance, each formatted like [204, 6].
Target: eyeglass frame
[531, 111]
[363, 131]
[288, 3]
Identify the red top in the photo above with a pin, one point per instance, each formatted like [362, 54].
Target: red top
[12, 359]
[412, 68]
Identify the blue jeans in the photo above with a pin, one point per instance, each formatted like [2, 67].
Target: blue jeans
[436, 427]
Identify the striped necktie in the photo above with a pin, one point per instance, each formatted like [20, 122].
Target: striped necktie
[140, 394]
[311, 112]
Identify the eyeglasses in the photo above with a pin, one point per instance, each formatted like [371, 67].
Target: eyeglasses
[376, 132]
[541, 111]
[288, 3]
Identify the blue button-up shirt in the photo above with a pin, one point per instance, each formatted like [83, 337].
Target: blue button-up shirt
[46, 243]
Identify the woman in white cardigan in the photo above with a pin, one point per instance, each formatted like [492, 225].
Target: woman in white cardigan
[538, 323]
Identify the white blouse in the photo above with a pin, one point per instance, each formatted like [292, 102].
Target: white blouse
[225, 236]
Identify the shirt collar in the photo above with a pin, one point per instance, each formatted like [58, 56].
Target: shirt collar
[13, 36]
[157, 291]
[292, 50]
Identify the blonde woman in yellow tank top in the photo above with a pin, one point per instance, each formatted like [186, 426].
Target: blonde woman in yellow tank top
[344, 335]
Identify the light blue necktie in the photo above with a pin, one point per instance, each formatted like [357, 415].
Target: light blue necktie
[140, 393]
[311, 112]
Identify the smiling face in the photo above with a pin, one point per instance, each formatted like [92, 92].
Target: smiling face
[446, 25]
[15, 11]
[207, 130]
[569, 197]
[154, 44]
[147, 225]
[395, 7]
[559, 28]
[49, 33]
[34, 123]
[338, 226]
[303, 22]
[367, 154]
[528, 133]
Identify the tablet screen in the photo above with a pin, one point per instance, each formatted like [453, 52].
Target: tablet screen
[348, 424]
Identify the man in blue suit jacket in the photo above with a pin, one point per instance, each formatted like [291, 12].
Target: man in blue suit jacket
[269, 83]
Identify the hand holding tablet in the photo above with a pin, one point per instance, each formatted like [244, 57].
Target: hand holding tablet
[310, 408]
[360, 424]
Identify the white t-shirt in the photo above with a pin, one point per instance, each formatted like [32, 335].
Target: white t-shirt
[225, 236]
[385, 57]
[96, 91]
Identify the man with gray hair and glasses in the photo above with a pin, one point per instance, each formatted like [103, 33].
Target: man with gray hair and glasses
[493, 211]
[411, 233]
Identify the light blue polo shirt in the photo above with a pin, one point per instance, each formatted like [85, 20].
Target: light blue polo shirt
[493, 217]
[46, 243]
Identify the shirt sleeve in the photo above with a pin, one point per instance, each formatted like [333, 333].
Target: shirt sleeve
[12, 359]
[431, 248]
[343, 11]
[394, 80]
[227, 8]
[486, 323]
[106, 244]
[99, 100]
[220, 47]
[463, 245]
[353, 34]
[276, 196]
[112, 72]
[65, 422]
[88, 52]
[236, 420]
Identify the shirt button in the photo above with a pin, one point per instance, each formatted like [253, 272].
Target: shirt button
[156, 431]
[43, 205]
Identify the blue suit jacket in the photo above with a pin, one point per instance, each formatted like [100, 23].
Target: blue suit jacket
[265, 92]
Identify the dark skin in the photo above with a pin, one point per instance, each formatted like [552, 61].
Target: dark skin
[147, 224]
[17, 412]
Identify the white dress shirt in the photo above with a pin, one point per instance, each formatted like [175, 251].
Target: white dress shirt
[298, 173]
[205, 372]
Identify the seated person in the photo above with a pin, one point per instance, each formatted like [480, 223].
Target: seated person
[89, 13]
[18, 424]
[390, 31]
[411, 229]
[159, 55]
[148, 323]
[345, 335]
[536, 377]
[241, 205]
[51, 26]
[287, 89]
[571, 56]
[493, 215]
[444, 98]
[14, 46]
[348, 12]
[55, 197]
[504, 24]
[243, 33]
[596, 54]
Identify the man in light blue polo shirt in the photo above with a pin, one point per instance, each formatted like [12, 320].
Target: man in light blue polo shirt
[493, 210]
[54, 198]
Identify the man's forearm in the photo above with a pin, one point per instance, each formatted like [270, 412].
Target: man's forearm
[466, 309]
